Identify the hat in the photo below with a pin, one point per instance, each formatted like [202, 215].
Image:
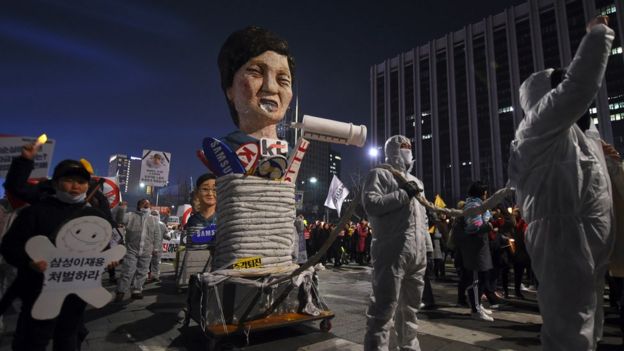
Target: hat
[68, 168]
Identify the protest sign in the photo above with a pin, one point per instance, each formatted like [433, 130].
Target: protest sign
[155, 167]
[170, 247]
[11, 146]
[110, 189]
[75, 264]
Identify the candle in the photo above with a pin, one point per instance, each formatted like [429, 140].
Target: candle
[42, 139]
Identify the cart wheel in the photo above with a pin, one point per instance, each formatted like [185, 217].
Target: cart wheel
[325, 325]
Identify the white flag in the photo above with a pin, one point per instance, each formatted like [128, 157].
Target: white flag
[336, 195]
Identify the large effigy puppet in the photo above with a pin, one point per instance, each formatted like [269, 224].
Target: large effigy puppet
[254, 282]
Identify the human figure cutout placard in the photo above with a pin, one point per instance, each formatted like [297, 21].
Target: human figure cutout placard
[75, 264]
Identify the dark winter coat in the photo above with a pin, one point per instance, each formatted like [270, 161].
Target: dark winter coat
[474, 248]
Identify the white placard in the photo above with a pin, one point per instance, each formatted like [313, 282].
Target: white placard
[11, 146]
[170, 247]
[155, 167]
[75, 265]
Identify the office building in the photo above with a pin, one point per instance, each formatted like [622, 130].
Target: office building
[335, 164]
[314, 178]
[456, 97]
[119, 166]
[128, 172]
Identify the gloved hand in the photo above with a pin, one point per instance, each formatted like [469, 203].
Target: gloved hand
[411, 188]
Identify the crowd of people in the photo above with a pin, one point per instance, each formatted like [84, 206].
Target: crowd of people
[352, 244]
[497, 252]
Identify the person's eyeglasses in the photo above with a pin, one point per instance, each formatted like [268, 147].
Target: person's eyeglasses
[208, 190]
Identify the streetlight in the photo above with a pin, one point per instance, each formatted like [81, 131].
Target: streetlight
[312, 181]
[373, 152]
[142, 185]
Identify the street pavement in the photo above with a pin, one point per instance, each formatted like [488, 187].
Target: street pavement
[154, 323]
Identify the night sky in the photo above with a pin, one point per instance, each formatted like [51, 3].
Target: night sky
[104, 77]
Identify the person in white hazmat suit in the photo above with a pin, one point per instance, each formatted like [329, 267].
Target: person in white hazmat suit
[564, 191]
[142, 235]
[154, 268]
[399, 224]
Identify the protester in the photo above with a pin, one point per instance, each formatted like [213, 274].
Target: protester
[70, 182]
[363, 232]
[142, 234]
[428, 301]
[442, 227]
[7, 271]
[521, 260]
[398, 248]
[322, 234]
[301, 254]
[475, 257]
[308, 239]
[562, 188]
[501, 246]
[454, 243]
[154, 268]
[438, 250]
[22, 191]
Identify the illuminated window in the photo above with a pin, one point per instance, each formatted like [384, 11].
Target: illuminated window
[616, 106]
[616, 51]
[505, 109]
[608, 10]
[617, 117]
[426, 136]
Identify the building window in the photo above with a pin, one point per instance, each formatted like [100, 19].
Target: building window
[608, 10]
[505, 109]
[617, 117]
[616, 51]
[426, 136]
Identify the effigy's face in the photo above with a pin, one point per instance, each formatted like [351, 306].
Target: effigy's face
[261, 90]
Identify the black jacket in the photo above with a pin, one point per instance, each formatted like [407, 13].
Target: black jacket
[43, 218]
[474, 248]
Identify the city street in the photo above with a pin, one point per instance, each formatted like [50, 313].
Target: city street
[154, 322]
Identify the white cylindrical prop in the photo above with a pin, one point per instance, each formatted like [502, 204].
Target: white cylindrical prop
[329, 131]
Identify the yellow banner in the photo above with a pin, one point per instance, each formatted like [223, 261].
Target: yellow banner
[249, 262]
